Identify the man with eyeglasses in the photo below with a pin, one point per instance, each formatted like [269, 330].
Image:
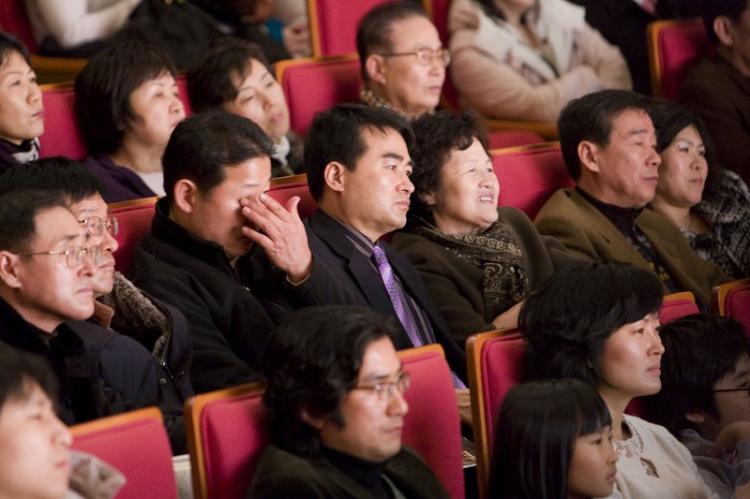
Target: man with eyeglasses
[335, 397]
[126, 323]
[401, 59]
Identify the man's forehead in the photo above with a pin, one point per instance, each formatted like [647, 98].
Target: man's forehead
[631, 120]
[379, 360]
[56, 225]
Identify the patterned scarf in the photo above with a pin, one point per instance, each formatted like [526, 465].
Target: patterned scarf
[496, 251]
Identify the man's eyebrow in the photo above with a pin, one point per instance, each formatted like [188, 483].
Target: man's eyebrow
[637, 131]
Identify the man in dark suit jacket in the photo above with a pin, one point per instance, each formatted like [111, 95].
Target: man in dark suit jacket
[718, 87]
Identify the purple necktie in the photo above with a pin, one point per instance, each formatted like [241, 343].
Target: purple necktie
[397, 298]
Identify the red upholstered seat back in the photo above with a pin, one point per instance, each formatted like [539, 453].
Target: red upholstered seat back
[511, 138]
[13, 19]
[529, 175]
[737, 305]
[312, 85]
[284, 188]
[62, 136]
[333, 24]
[184, 96]
[136, 444]
[432, 426]
[676, 306]
[674, 46]
[134, 218]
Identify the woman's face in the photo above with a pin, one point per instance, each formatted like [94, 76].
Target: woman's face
[592, 468]
[631, 360]
[261, 100]
[683, 169]
[21, 114]
[157, 110]
[466, 199]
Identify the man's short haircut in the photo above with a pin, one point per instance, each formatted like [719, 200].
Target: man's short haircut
[18, 211]
[210, 84]
[20, 371]
[336, 135]
[8, 44]
[699, 350]
[203, 144]
[711, 9]
[437, 135]
[66, 177]
[311, 362]
[590, 118]
[374, 29]
[567, 320]
[103, 89]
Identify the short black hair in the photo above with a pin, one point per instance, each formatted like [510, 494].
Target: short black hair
[20, 371]
[699, 350]
[64, 176]
[103, 89]
[18, 211]
[537, 427]
[8, 44]
[567, 319]
[590, 118]
[210, 83]
[374, 29]
[311, 362]
[712, 9]
[336, 135]
[436, 136]
[203, 144]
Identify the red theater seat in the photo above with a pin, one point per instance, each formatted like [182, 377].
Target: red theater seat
[62, 136]
[333, 25]
[284, 188]
[13, 19]
[673, 47]
[312, 85]
[677, 305]
[136, 444]
[733, 300]
[134, 218]
[529, 175]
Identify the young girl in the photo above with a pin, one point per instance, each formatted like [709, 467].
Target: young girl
[553, 440]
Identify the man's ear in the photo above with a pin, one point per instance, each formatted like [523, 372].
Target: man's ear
[696, 417]
[313, 421]
[185, 195]
[9, 269]
[375, 68]
[723, 29]
[588, 156]
[334, 176]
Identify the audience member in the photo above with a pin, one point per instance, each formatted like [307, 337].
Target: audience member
[710, 206]
[599, 322]
[526, 59]
[235, 76]
[478, 261]
[609, 146]
[358, 165]
[193, 258]
[76, 27]
[553, 440]
[21, 106]
[35, 458]
[704, 397]
[401, 59]
[127, 105]
[335, 396]
[119, 305]
[718, 87]
[47, 269]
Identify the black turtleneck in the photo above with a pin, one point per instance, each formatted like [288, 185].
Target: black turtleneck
[365, 473]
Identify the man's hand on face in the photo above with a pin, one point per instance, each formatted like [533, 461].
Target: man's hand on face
[279, 231]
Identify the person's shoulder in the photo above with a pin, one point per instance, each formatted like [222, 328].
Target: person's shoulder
[281, 473]
[559, 203]
[408, 241]
[654, 432]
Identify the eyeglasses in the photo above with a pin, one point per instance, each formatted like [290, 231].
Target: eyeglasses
[745, 389]
[425, 55]
[73, 256]
[96, 225]
[385, 390]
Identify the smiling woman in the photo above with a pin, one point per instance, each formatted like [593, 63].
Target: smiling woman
[477, 260]
[127, 105]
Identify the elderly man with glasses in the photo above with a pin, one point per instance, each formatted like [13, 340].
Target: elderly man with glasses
[401, 59]
[122, 315]
[335, 396]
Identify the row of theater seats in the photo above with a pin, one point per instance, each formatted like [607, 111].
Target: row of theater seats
[227, 429]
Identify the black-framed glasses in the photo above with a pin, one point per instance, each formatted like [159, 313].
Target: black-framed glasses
[425, 55]
[384, 390]
[728, 390]
[95, 225]
[73, 256]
